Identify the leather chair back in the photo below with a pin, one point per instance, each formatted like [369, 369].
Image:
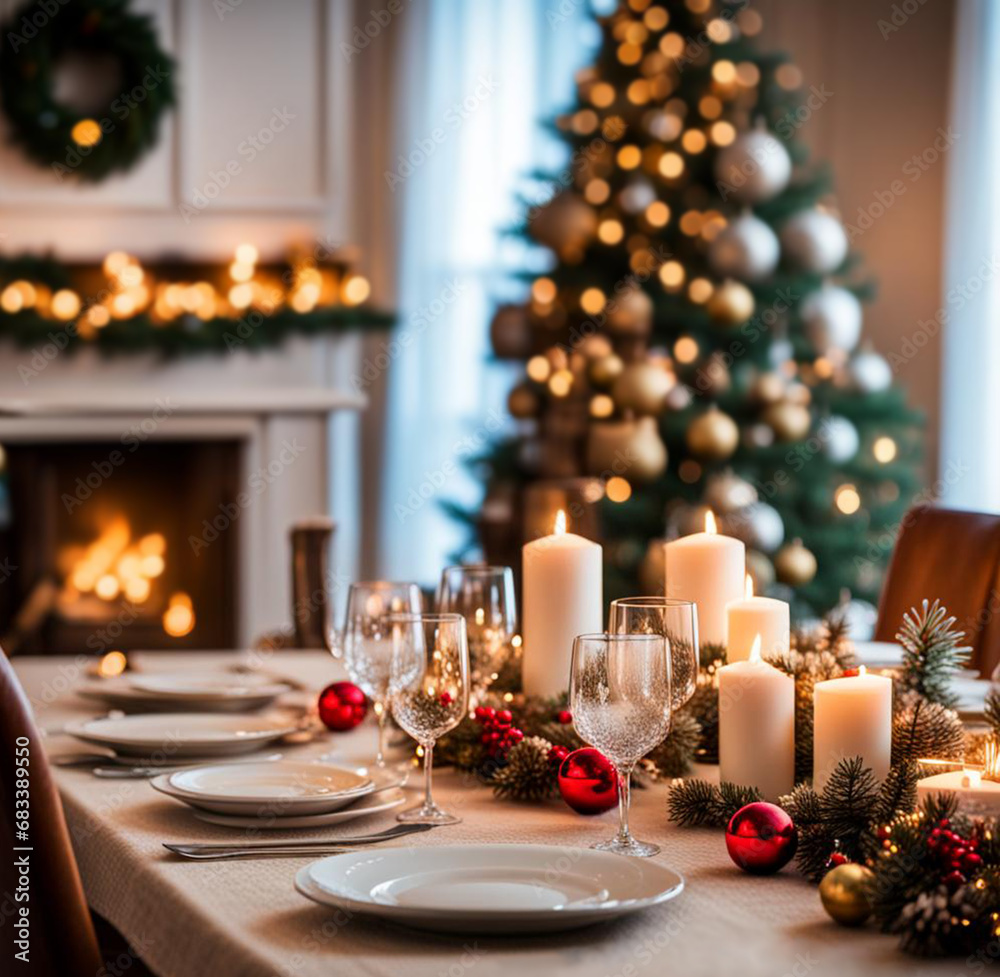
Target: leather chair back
[63, 942]
[954, 556]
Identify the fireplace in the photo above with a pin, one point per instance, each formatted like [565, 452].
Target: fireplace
[114, 545]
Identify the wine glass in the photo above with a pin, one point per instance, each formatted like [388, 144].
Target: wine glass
[620, 700]
[429, 690]
[677, 621]
[366, 641]
[484, 596]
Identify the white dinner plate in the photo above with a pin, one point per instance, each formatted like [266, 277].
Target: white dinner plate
[280, 789]
[489, 888]
[208, 685]
[386, 800]
[120, 695]
[173, 735]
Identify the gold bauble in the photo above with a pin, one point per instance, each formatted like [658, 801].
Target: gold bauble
[523, 402]
[604, 371]
[761, 571]
[632, 449]
[652, 569]
[595, 347]
[768, 388]
[731, 303]
[790, 422]
[567, 223]
[846, 893]
[510, 333]
[794, 564]
[642, 387]
[630, 313]
[713, 435]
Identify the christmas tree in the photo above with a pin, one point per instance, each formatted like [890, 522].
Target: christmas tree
[697, 341]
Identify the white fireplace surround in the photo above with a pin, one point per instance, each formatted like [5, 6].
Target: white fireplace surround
[290, 409]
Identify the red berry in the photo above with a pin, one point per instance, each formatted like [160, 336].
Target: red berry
[565, 717]
[954, 879]
[480, 714]
[445, 698]
[837, 858]
[515, 735]
[505, 716]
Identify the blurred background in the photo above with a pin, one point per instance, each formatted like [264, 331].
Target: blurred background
[252, 255]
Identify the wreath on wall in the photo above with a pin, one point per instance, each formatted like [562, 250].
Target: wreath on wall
[73, 141]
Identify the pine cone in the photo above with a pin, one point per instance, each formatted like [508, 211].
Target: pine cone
[927, 729]
[527, 774]
[932, 924]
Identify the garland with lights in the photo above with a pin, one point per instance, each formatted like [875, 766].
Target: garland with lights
[123, 307]
[111, 137]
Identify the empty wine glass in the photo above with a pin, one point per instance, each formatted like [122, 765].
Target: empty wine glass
[621, 704]
[429, 690]
[484, 596]
[366, 641]
[677, 621]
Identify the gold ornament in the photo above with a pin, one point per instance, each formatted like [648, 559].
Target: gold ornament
[523, 402]
[731, 303]
[603, 371]
[567, 223]
[768, 388]
[761, 571]
[510, 332]
[727, 492]
[631, 449]
[794, 564]
[790, 422]
[846, 893]
[631, 313]
[642, 387]
[652, 568]
[713, 435]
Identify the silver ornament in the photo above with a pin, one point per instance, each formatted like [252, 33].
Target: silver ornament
[726, 492]
[760, 526]
[870, 373]
[780, 352]
[753, 168]
[637, 195]
[840, 439]
[860, 618]
[832, 317]
[814, 241]
[746, 249]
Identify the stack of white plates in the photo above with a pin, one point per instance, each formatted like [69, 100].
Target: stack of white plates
[489, 888]
[191, 691]
[285, 794]
[170, 736]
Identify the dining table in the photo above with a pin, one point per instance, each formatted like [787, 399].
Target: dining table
[244, 916]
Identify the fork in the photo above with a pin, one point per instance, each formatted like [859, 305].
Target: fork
[336, 846]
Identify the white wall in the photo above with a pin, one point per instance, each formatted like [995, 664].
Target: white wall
[234, 68]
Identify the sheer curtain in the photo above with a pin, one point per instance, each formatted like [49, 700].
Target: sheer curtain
[970, 428]
[474, 84]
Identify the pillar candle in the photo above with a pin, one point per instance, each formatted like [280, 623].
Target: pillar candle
[561, 598]
[750, 616]
[852, 716]
[706, 568]
[757, 726]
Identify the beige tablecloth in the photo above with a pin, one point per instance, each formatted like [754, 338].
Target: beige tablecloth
[245, 918]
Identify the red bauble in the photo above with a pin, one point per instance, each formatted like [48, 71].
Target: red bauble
[342, 706]
[761, 838]
[588, 782]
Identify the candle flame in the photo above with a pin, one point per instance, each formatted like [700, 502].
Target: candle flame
[862, 670]
[755, 650]
[749, 586]
[710, 526]
[560, 528]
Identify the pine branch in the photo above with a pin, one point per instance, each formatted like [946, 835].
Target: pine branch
[927, 729]
[993, 710]
[699, 804]
[898, 793]
[931, 652]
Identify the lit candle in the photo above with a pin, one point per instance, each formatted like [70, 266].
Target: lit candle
[706, 568]
[852, 716]
[751, 616]
[562, 597]
[757, 725]
[974, 794]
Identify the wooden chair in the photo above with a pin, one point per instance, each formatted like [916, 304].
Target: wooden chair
[63, 940]
[954, 556]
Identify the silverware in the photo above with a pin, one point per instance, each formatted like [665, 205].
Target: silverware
[153, 770]
[335, 846]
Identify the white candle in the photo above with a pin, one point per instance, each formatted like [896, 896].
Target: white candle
[852, 716]
[562, 590]
[750, 616]
[706, 568]
[975, 795]
[757, 726]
